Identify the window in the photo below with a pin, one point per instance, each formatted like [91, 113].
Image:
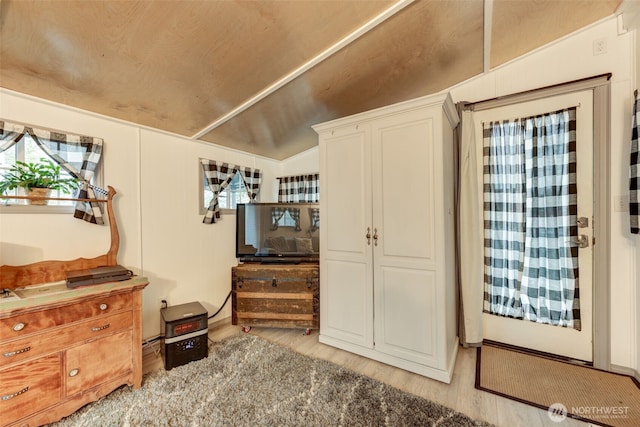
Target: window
[235, 193]
[26, 150]
[224, 186]
[79, 155]
[286, 220]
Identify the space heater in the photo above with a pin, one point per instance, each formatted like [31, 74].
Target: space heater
[185, 331]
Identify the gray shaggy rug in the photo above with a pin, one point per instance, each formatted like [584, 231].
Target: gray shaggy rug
[248, 381]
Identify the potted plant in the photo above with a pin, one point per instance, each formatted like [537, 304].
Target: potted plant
[37, 180]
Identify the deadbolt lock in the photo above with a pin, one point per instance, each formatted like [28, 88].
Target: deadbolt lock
[583, 222]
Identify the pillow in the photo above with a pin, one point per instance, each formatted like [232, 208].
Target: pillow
[303, 244]
[278, 243]
[291, 244]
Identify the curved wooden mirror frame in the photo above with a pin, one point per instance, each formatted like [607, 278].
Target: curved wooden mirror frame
[12, 277]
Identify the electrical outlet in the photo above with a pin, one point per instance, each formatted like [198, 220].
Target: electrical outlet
[162, 302]
[621, 204]
[599, 46]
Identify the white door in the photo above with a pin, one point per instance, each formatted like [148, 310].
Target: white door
[404, 252]
[346, 272]
[546, 338]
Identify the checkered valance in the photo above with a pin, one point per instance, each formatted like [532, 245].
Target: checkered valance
[219, 175]
[79, 155]
[634, 169]
[530, 217]
[299, 188]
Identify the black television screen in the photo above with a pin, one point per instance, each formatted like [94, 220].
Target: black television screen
[277, 232]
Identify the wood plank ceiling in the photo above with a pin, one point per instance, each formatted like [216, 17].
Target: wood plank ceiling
[255, 75]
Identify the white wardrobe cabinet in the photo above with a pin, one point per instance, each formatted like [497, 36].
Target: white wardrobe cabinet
[387, 259]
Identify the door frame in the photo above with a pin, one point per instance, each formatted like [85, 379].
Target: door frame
[601, 87]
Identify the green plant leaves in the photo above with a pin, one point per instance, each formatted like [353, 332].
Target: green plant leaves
[45, 174]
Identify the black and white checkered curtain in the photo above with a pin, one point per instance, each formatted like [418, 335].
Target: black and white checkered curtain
[504, 216]
[530, 193]
[10, 133]
[252, 179]
[314, 214]
[299, 188]
[634, 169]
[295, 215]
[276, 215]
[79, 155]
[219, 175]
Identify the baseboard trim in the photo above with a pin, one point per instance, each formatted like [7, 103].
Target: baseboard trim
[220, 322]
[625, 371]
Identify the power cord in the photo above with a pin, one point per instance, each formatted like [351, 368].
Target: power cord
[216, 313]
[222, 306]
[150, 342]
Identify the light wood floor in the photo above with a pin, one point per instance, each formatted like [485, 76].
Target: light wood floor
[460, 395]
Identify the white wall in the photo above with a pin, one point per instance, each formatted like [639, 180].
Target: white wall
[162, 235]
[29, 238]
[303, 163]
[184, 259]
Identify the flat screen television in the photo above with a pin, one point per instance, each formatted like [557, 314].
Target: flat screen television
[277, 232]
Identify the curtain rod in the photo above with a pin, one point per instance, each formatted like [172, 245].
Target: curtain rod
[46, 129]
[532, 94]
[302, 174]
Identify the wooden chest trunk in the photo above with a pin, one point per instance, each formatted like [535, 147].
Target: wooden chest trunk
[281, 296]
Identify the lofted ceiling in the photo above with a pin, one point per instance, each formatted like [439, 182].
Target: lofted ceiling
[255, 75]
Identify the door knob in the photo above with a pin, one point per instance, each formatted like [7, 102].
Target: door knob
[582, 240]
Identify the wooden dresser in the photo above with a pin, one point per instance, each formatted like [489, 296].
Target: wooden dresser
[61, 348]
[276, 295]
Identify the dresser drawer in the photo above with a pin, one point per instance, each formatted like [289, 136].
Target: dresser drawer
[30, 387]
[91, 364]
[28, 323]
[24, 348]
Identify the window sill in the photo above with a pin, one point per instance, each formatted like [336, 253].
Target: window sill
[31, 209]
[203, 211]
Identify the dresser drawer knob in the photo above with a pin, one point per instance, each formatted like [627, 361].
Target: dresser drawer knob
[17, 393]
[18, 327]
[100, 328]
[13, 353]
[103, 306]
[274, 282]
[74, 372]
